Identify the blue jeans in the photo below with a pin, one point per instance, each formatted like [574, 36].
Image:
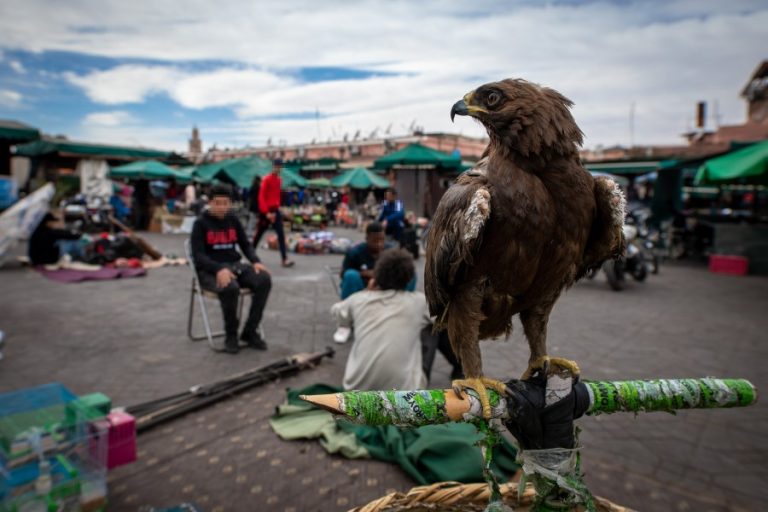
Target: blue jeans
[71, 247]
[352, 282]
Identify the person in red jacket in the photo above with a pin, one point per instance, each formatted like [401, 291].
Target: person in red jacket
[269, 206]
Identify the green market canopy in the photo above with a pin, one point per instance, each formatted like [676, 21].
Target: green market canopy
[747, 166]
[15, 132]
[241, 172]
[623, 168]
[145, 169]
[46, 147]
[292, 179]
[416, 154]
[360, 178]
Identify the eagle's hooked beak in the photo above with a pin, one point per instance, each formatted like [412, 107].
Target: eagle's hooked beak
[465, 107]
[460, 107]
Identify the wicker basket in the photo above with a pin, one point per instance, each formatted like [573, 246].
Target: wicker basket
[454, 496]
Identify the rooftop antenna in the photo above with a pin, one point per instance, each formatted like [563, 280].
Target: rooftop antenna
[317, 120]
[632, 125]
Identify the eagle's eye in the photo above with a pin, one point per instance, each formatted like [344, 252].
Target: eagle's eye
[493, 99]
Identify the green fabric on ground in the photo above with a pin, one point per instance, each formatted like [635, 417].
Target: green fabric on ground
[301, 422]
[435, 453]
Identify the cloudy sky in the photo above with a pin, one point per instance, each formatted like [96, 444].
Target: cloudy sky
[143, 73]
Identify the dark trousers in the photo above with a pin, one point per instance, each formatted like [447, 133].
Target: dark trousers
[263, 225]
[260, 284]
[431, 343]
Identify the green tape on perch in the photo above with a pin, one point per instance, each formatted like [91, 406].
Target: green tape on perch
[668, 394]
[434, 406]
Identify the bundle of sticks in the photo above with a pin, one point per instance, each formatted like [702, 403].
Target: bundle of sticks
[152, 413]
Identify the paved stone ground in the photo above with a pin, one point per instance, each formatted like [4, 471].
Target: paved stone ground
[127, 339]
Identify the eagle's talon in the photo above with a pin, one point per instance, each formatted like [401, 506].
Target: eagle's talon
[481, 385]
[545, 364]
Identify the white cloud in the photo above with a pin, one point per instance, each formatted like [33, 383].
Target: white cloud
[124, 84]
[664, 56]
[10, 99]
[18, 67]
[113, 118]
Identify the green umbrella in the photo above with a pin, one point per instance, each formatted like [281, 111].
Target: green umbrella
[360, 178]
[319, 183]
[144, 169]
[748, 165]
[416, 154]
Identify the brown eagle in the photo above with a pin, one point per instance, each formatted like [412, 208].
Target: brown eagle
[511, 234]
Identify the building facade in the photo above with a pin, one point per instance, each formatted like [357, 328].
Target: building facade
[362, 152]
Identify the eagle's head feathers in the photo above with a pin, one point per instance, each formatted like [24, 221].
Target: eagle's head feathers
[524, 118]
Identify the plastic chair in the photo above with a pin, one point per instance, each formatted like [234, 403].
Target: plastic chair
[200, 294]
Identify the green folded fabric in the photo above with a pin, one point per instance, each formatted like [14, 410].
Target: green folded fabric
[435, 453]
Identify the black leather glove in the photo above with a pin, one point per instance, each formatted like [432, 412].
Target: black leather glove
[537, 426]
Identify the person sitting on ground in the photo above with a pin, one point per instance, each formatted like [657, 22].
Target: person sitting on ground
[357, 267]
[50, 241]
[216, 235]
[388, 321]
[392, 215]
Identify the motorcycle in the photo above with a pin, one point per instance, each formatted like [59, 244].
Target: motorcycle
[647, 240]
[638, 257]
[87, 218]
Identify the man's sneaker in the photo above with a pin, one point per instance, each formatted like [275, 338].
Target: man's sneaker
[254, 340]
[342, 334]
[230, 346]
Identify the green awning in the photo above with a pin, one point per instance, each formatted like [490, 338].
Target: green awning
[144, 169]
[185, 174]
[623, 168]
[81, 149]
[238, 171]
[15, 132]
[319, 183]
[416, 154]
[241, 171]
[748, 166]
[360, 178]
[292, 179]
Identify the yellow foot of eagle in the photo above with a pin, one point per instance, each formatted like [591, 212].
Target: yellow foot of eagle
[545, 363]
[481, 385]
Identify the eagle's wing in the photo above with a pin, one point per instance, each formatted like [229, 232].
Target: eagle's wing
[455, 235]
[606, 240]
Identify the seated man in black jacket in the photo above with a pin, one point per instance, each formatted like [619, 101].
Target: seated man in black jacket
[45, 243]
[215, 237]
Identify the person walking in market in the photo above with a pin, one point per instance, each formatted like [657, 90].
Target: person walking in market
[269, 206]
[216, 236]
